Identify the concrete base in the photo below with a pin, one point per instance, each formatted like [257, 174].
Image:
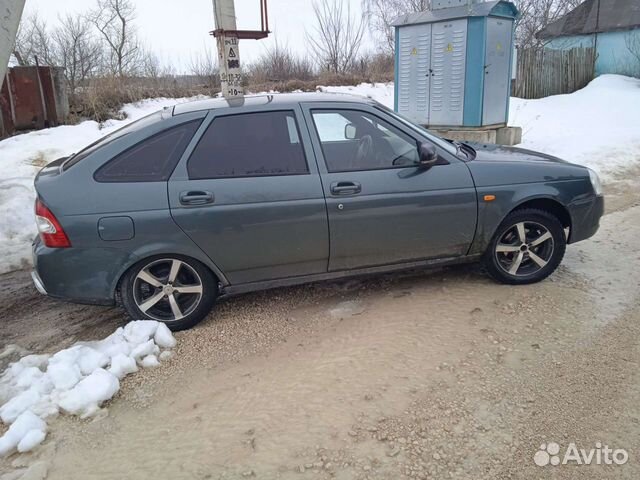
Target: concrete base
[497, 135]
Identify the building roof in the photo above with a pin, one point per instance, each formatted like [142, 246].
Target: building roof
[280, 99]
[595, 16]
[482, 9]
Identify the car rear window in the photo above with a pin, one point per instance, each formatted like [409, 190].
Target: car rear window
[152, 160]
[249, 145]
[107, 139]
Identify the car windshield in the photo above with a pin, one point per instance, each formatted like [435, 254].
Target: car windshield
[442, 143]
[119, 133]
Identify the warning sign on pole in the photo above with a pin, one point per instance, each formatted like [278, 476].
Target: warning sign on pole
[228, 49]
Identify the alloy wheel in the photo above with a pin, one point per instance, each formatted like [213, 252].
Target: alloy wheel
[524, 248]
[167, 289]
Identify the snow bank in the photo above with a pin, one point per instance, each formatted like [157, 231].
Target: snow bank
[22, 156]
[380, 92]
[598, 126]
[76, 380]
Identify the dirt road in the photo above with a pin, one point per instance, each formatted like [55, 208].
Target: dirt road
[422, 375]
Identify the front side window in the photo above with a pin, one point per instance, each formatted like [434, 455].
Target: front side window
[249, 145]
[354, 140]
[152, 160]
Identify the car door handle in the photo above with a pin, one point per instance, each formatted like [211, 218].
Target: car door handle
[345, 188]
[198, 197]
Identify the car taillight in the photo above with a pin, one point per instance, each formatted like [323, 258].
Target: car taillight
[50, 230]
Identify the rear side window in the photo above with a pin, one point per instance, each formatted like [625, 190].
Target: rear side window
[249, 145]
[153, 159]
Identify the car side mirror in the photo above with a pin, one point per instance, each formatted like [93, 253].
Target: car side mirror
[428, 155]
[350, 131]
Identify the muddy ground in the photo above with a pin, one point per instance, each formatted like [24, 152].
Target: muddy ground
[441, 374]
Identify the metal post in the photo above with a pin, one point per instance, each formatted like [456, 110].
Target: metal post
[11, 12]
[228, 48]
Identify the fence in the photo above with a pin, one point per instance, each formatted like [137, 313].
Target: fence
[542, 71]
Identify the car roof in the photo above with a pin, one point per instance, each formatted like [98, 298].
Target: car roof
[280, 100]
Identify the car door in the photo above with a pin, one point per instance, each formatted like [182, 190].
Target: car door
[382, 207]
[249, 195]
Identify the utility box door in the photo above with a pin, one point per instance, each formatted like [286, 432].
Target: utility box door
[413, 72]
[496, 70]
[448, 63]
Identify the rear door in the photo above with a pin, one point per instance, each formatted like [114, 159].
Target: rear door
[249, 195]
[382, 208]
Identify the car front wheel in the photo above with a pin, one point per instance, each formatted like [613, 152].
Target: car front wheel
[175, 290]
[528, 246]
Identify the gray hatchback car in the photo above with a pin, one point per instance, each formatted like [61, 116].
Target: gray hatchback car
[220, 197]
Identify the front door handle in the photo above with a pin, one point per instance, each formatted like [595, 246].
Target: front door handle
[197, 197]
[345, 188]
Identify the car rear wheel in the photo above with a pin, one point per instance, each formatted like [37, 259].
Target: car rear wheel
[175, 290]
[528, 246]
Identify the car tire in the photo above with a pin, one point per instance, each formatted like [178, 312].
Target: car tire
[176, 290]
[527, 247]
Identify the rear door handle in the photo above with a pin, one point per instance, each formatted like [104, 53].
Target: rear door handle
[198, 197]
[345, 188]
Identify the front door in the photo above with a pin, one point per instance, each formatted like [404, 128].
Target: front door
[251, 199]
[382, 208]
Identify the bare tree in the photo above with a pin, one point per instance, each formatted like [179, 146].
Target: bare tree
[632, 42]
[114, 20]
[536, 15]
[381, 14]
[337, 36]
[204, 67]
[279, 63]
[76, 49]
[150, 65]
[32, 41]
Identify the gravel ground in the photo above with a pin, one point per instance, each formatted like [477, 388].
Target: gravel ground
[440, 374]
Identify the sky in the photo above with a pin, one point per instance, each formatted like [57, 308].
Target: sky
[178, 30]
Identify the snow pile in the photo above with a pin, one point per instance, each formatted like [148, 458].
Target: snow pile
[598, 126]
[22, 156]
[380, 92]
[76, 380]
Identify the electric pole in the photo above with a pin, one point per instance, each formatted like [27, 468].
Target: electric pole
[228, 48]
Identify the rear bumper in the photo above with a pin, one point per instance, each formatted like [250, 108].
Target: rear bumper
[585, 218]
[75, 274]
[37, 281]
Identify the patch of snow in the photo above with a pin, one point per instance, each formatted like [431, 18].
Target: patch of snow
[380, 92]
[150, 361]
[23, 432]
[31, 440]
[122, 365]
[86, 397]
[76, 380]
[598, 126]
[163, 337]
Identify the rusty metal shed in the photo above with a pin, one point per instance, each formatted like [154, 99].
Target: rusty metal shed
[33, 98]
